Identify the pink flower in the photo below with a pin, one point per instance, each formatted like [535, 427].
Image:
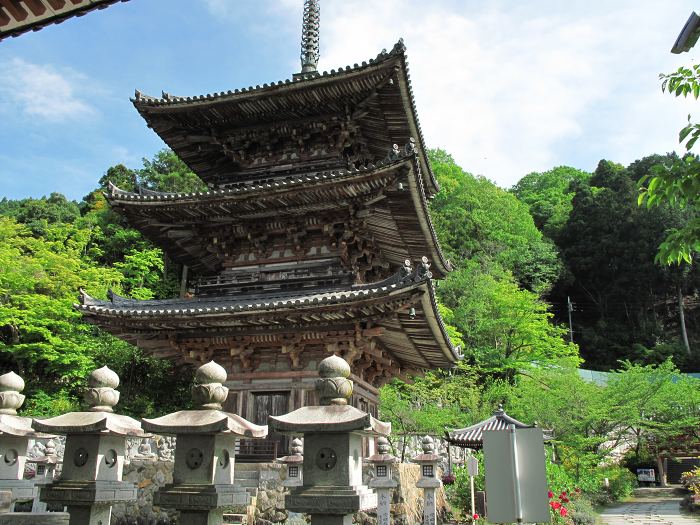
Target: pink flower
[563, 511]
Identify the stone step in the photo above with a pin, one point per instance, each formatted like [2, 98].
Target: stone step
[234, 519]
[247, 483]
[246, 474]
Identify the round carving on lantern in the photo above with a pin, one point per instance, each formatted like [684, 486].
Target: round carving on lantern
[224, 459]
[11, 456]
[111, 458]
[80, 457]
[194, 458]
[326, 458]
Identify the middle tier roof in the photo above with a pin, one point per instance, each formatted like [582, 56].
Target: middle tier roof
[386, 203]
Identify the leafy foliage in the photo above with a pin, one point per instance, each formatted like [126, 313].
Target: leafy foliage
[676, 184]
[549, 195]
[49, 249]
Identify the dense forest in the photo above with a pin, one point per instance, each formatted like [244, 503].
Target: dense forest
[559, 243]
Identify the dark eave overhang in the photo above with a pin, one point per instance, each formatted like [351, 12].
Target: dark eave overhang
[160, 216]
[20, 16]
[267, 104]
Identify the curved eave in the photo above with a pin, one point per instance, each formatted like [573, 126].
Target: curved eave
[149, 107]
[437, 325]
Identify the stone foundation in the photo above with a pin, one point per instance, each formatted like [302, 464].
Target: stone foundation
[264, 482]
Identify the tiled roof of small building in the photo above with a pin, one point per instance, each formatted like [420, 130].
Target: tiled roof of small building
[473, 436]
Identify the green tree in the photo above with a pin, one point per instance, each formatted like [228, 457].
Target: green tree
[476, 220]
[549, 195]
[506, 330]
[608, 247]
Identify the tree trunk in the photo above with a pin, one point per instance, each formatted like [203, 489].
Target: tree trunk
[682, 317]
[662, 471]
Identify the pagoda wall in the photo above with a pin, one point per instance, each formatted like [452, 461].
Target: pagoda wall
[317, 250]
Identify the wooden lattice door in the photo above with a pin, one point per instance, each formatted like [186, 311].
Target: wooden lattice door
[271, 404]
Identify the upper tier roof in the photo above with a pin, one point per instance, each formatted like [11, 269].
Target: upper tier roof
[397, 217]
[20, 16]
[315, 122]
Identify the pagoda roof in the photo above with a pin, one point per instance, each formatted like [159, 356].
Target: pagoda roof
[398, 221]
[375, 95]
[473, 436]
[415, 335]
[20, 16]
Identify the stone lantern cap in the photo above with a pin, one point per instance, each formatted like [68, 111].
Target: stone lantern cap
[50, 456]
[428, 455]
[334, 415]
[208, 393]
[297, 453]
[10, 400]
[99, 418]
[383, 455]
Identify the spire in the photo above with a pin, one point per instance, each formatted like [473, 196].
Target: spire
[310, 36]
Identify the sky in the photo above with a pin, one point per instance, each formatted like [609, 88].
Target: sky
[506, 87]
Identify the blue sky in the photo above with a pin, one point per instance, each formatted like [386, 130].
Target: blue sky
[506, 87]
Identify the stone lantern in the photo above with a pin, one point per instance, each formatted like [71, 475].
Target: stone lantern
[332, 489]
[383, 481]
[15, 434]
[428, 480]
[294, 463]
[45, 472]
[204, 453]
[93, 458]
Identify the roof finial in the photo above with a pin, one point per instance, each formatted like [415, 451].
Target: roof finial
[310, 36]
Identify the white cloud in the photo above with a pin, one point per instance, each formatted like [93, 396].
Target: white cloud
[509, 88]
[43, 91]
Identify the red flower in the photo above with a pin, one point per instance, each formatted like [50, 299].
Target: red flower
[564, 499]
[550, 494]
[563, 493]
[563, 511]
[475, 516]
[555, 505]
[578, 490]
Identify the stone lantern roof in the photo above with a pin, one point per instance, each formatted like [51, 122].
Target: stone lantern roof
[99, 418]
[334, 415]
[10, 400]
[208, 393]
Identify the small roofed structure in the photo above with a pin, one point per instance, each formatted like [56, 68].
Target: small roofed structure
[473, 436]
[20, 16]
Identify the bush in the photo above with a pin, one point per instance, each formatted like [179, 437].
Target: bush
[622, 482]
[691, 481]
[582, 513]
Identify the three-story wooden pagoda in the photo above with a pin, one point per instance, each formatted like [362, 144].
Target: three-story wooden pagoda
[314, 237]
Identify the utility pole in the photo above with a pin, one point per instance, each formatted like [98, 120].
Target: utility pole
[570, 308]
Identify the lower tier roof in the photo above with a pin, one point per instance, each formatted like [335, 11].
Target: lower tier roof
[402, 308]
